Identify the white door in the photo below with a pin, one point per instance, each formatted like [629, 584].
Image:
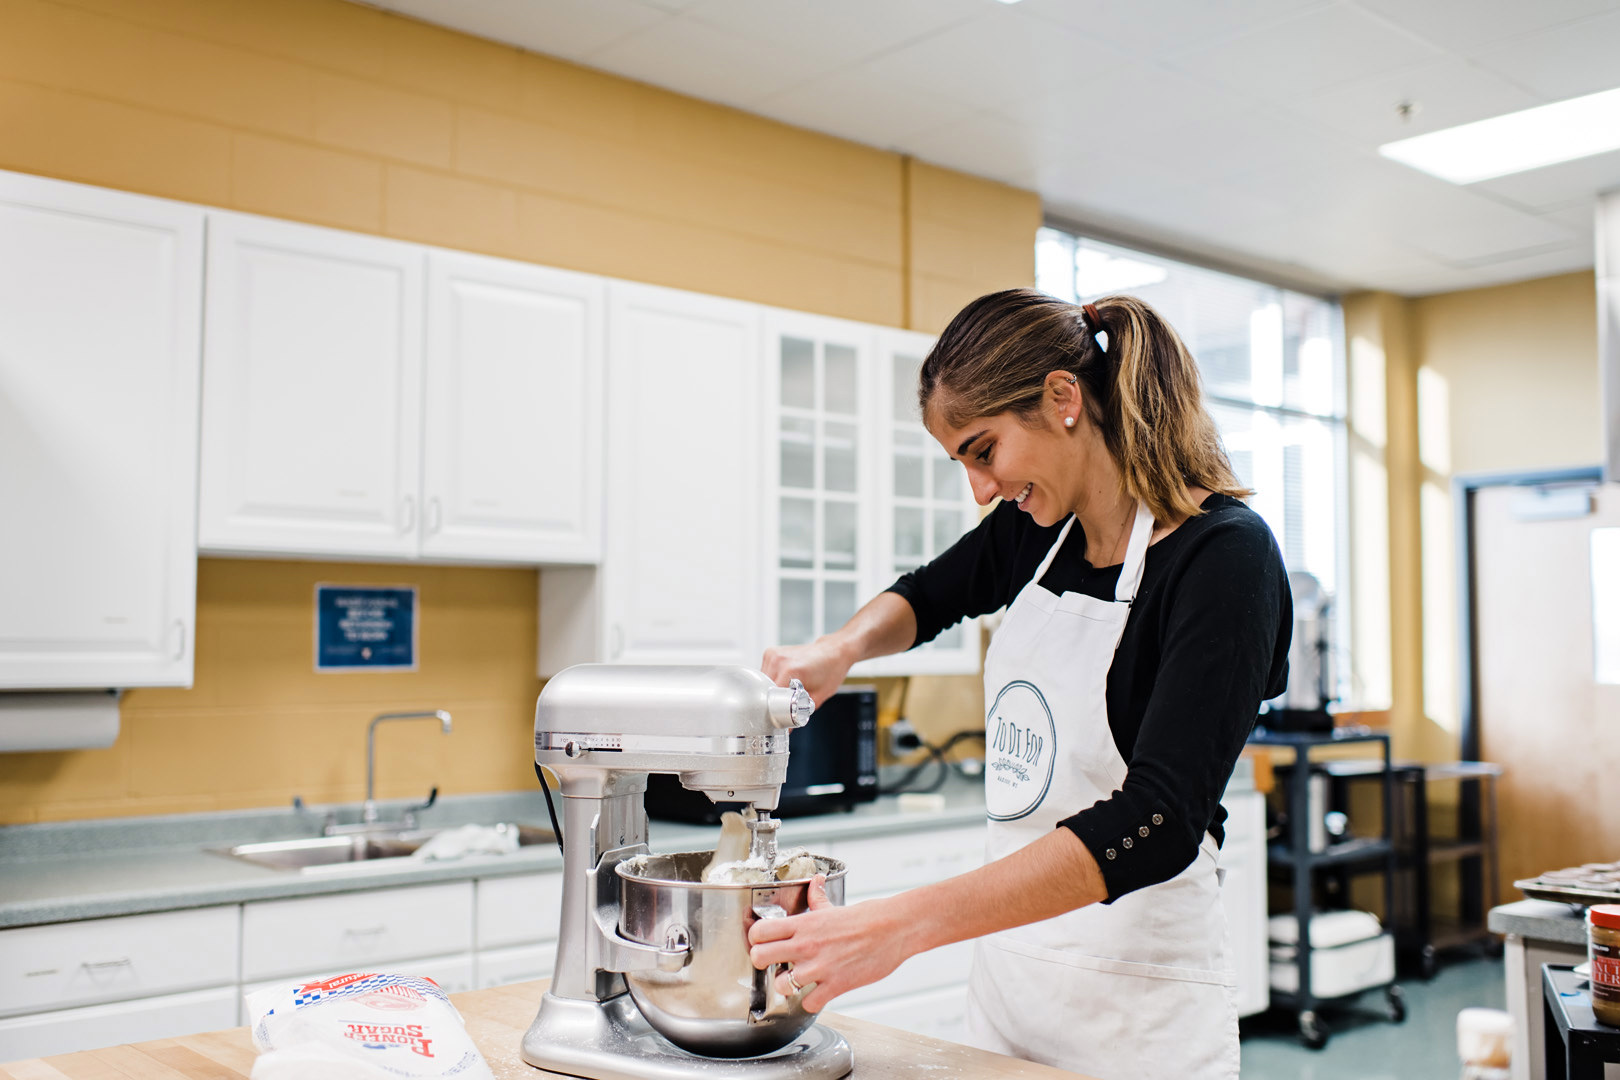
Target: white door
[512, 464]
[925, 504]
[680, 571]
[312, 391]
[819, 506]
[100, 315]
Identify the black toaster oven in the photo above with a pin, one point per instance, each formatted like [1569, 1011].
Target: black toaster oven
[832, 765]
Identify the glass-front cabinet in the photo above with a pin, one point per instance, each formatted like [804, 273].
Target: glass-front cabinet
[819, 494]
[857, 491]
[923, 499]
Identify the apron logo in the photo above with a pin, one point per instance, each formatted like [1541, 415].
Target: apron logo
[1019, 737]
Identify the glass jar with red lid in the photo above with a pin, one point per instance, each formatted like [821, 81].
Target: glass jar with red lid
[1603, 950]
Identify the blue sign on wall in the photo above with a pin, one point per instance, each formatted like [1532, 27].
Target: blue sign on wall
[365, 628]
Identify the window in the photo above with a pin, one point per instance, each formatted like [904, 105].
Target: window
[1273, 367]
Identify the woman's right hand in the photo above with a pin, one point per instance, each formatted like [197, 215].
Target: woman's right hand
[819, 666]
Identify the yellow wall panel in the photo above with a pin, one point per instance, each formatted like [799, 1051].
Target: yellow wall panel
[306, 183]
[72, 137]
[339, 114]
[367, 118]
[449, 211]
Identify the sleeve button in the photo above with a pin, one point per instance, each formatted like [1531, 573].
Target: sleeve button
[1143, 831]
[1128, 842]
[1111, 853]
[1158, 819]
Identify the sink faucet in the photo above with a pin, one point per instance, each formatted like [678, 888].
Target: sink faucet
[368, 811]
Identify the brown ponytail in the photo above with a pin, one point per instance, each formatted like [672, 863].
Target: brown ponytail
[1143, 394]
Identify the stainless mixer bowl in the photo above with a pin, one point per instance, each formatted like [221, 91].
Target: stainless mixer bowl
[719, 1004]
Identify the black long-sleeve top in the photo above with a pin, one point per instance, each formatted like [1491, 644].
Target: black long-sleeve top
[1205, 643]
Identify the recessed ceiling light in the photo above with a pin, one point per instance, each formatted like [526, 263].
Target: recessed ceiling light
[1009, 1]
[1528, 139]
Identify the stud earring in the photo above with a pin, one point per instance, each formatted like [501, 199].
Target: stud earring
[1068, 421]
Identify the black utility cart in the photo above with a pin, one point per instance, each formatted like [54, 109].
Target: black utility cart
[1291, 861]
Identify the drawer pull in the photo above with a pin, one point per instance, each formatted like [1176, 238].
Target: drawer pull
[369, 931]
[42, 972]
[106, 965]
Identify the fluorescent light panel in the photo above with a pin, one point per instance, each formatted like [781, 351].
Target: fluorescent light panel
[1528, 139]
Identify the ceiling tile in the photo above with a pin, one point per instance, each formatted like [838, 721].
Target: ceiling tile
[1574, 59]
[1153, 28]
[1556, 185]
[863, 106]
[1308, 53]
[1443, 91]
[838, 31]
[705, 61]
[1544, 264]
[990, 145]
[1463, 24]
[1125, 106]
[567, 28]
[1579, 217]
[998, 57]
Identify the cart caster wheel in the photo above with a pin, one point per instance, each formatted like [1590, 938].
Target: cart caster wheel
[1395, 1004]
[1429, 963]
[1311, 1032]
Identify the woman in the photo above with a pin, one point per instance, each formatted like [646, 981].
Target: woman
[1148, 616]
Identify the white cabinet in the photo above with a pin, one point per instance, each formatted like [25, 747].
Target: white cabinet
[309, 936]
[312, 397]
[924, 501]
[100, 314]
[512, 438]
[367, 398]
[679, 582]
[66, 1031]
[819, 500]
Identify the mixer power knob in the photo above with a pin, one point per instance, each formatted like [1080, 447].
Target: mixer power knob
[790, 706]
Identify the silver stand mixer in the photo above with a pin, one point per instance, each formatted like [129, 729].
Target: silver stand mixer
[601, 729]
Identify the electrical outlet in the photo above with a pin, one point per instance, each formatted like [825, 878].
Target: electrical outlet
[903, 739]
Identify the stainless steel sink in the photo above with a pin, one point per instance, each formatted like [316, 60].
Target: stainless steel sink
[322, 853]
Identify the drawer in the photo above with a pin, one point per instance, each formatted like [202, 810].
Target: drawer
[936, 969]
[354, 930]
[903, 861]
[513, 910]
[66, 1031]
[502, 967]
[454, 974]
[97, 960]
[937, 1014]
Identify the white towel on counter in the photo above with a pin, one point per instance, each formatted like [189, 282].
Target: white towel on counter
[469, 840]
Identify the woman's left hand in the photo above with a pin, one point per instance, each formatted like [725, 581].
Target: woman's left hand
[837, 948]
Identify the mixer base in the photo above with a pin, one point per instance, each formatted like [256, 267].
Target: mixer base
[610, 1040]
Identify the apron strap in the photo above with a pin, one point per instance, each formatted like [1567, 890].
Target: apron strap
[1130, 571]
[1046, 563]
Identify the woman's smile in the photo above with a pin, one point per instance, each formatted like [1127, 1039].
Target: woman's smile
[1022, 495]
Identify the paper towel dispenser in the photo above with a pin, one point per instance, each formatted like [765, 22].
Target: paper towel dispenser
[60, 720]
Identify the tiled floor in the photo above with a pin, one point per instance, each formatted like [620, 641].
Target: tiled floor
[1365, 1046]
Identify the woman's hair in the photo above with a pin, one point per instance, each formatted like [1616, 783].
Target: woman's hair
[1143, 394]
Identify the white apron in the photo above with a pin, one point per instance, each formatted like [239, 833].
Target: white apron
[1140, 989]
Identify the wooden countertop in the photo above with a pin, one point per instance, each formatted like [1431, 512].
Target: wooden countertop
[497, 1020]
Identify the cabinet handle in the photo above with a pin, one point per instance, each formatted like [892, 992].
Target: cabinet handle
[435, 515]
[616, 645]
[105, 965]
[369, 931]
[180, 644]
[410, 514]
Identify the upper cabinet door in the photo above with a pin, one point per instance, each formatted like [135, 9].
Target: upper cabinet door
[926, 504]
[100, 315]
[312, 391]
[680, 568]
[512, 459]
[820, 505]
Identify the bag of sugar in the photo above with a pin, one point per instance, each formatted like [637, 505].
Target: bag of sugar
[364, 1026]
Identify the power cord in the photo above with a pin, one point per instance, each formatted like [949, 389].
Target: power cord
[936, 756]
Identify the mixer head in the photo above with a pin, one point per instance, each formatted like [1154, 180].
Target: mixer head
[601, 728]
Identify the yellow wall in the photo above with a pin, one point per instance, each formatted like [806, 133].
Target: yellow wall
[337, 114]
[1484, 380]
